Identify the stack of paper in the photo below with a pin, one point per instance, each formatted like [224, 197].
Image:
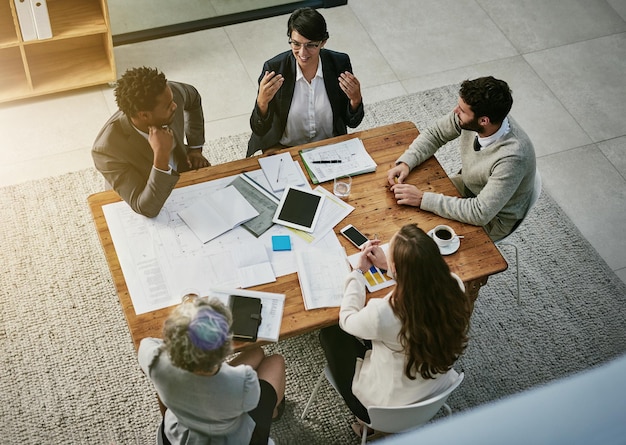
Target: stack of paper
[252, 264]
[280, 171]
[331, 161]
[322, 274]
[212, 215]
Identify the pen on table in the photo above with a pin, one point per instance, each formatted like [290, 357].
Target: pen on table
[328, 161]
[280, 164]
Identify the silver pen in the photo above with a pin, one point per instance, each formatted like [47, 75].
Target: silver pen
[280, 164]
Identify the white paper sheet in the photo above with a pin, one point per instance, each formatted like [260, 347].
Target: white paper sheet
[279, 170]
[349, 158]
[211, 215]
[162, 259]
[321, 274]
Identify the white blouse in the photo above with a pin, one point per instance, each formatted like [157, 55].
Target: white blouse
[310, 115]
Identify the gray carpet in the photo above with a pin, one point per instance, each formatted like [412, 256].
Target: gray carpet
[69, 371]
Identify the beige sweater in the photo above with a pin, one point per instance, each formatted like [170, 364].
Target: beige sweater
[501, 176]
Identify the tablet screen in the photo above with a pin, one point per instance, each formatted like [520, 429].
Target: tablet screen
[299, 208]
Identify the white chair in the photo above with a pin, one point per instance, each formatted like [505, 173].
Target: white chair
[504, 241]
[395, 419]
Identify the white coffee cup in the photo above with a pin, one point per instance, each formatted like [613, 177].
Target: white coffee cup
[443, 235]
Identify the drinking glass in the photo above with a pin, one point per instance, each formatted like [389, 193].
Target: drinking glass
[342, 186]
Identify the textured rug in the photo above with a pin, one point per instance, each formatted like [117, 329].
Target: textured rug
[69, 369]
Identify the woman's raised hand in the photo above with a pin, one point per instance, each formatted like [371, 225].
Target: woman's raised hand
[268, 87]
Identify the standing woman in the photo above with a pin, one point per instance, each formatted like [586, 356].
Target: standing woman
[306, 94]
[208, 400]
[399, 349]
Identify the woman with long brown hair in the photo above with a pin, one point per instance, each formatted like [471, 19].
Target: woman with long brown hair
[399, 349]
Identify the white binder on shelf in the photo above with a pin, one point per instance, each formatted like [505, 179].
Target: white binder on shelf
[41, 19]
[25, 17]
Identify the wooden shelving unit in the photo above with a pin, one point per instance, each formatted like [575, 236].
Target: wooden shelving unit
[79, 54]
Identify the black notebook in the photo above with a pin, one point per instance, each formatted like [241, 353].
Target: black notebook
[246, 317]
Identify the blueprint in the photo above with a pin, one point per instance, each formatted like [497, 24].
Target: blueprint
[162, 259]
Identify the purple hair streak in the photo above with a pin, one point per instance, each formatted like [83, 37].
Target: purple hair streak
[208, 330]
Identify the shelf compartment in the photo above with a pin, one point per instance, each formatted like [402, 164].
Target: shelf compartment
[72, 18]
[13, 79]
[59, 65]
[8, 33]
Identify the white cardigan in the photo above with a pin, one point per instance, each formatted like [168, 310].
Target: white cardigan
[379, 378]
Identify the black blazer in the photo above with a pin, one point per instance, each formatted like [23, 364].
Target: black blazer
[266, 132]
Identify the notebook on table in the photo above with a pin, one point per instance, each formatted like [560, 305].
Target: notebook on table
[246, 317]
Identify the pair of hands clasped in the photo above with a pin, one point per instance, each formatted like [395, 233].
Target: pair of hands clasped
[405, 194]
[372, 254]
[272, 82]
[161, 139]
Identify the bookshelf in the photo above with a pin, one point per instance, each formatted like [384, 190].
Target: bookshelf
[79, 54]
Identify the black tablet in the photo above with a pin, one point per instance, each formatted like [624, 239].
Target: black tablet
[299, 208]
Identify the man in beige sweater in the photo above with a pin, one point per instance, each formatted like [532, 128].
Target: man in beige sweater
[498, 161]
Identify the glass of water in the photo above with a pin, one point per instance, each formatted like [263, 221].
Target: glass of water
[342, 186]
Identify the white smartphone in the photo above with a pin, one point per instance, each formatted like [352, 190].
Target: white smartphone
[355, 237]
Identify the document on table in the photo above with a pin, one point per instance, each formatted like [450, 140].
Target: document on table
[271, 309]
[343, 158]
[322, 274]
[212, 215]
[375, 279]
[280, 171]
[258, 178]
[162, 259]
[263, 202]
[252, 265]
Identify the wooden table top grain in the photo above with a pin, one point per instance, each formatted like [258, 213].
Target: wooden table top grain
[376, 213]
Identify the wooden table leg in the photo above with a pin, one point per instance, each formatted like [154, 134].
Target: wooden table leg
[472, 288]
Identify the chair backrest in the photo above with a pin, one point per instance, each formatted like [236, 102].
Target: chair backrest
[536, 192]
[395, 419]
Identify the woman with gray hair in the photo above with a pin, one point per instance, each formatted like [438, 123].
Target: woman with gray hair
[209, 400]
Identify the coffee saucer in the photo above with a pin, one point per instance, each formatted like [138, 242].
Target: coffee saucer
[450, 248]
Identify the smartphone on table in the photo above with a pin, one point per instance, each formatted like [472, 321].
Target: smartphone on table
[354, 236]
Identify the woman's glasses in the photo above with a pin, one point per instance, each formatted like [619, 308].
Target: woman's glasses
[307, 46]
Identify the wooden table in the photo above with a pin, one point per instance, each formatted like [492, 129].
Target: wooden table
[376, 212]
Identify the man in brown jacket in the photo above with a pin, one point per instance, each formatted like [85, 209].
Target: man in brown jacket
[141, 149]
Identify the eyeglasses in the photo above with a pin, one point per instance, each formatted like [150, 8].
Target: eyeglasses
[308, 45]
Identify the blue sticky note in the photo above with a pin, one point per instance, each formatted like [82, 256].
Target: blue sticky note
[281, 242]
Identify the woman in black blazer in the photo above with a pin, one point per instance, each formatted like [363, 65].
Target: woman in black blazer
[291, 107]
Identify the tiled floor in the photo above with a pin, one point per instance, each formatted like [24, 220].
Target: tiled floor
[142, 14]
[565, 61]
